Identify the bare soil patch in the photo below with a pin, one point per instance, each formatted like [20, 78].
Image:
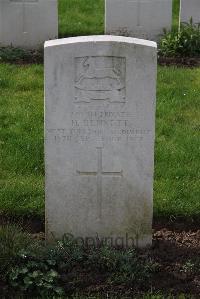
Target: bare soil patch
[179, 61]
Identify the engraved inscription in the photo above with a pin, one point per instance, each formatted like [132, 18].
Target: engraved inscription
[99, 126]
[99, 173]
[100, 78]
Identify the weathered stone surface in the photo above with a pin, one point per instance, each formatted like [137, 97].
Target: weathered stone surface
[190, 9]
[28, 23]
[99, 140]
[138, 18]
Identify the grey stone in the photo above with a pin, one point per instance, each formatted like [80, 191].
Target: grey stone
[28, 23]
[99, 138]
[190, 9]
[138, 18]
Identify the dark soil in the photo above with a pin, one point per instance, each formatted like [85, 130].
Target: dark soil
[179, 61]
[176, 250]
[178, 254]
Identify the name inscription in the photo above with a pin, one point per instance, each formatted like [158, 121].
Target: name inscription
[98, 127]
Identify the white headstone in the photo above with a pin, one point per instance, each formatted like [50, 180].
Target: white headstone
[99, 144]
[28, 23]
[190, 9]
[138, 18]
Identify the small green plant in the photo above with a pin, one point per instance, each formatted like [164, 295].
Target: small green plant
[39, 270]
[67, 253]
[182, 43]
[191, 267]
[35, 268]
[188, 267]
[35, 276]
[122, 267]
[12, 240]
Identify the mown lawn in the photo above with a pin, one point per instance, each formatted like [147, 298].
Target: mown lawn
[21, 131]
[86, 17]
[176, 7]
[177, 173]
[21, 139]
[81, 17]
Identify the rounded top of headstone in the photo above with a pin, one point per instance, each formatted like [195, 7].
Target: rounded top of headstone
[100, 38]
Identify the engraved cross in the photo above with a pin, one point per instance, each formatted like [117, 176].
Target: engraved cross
[99, 174]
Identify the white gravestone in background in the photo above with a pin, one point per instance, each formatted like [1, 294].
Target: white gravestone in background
[99, 138]
[28, 23]
[138, 18]
[190, 9]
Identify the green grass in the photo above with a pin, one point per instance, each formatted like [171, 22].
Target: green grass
[21, 139]
[176, 7]
[86, 17]
[81, 17]
[177, 173]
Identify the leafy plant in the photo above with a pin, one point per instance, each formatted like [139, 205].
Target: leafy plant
[39, 271]
[67, 253]
[182, 43]
[191, 266]
[188, 267]
[35, 268]
[12, 240]
[35, 276]
[124, 267]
